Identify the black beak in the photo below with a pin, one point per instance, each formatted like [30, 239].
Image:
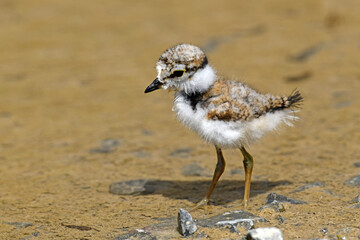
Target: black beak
[156, 84]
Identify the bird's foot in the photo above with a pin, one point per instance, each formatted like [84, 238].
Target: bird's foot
[203, 203]
[245, 203]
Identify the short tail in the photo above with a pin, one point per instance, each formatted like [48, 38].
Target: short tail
[294, 100]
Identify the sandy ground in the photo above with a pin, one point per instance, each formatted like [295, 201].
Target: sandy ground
[72, 73]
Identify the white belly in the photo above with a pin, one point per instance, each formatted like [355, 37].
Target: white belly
[227, 133]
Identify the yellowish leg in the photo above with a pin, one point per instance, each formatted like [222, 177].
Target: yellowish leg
[220, 167]
[248, 165]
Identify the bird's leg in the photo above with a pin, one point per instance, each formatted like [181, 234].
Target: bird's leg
[220, 166]
[248, 165]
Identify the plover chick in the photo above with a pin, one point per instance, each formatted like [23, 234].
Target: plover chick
[226, 113]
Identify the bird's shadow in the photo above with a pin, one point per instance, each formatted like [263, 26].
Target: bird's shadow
[226, 191]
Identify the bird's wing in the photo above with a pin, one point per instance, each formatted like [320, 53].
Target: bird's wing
[234, 101]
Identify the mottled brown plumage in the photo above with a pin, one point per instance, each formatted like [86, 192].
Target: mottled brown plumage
[233, 101]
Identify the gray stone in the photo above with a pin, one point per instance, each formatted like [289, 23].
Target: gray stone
[357, 164]
[163, 230]
[147, 132]
[280, 198]
[264, 234]
[280, 219]
[299, 76]
[310, 185]
[354, 181]
[106, 146]
[19, 225]
[193, 170]
[129, 187]
[342, 104]
[324, 231]
[275, 205]
[141, 154]
[237, 171]
[79, 227]
[181, 152]
[5, 114]
[356, 199]
[232, 220]
[136, 234]
[355, 206]
[307, 53]
[138, 186]
[186, 224]
[214, 42]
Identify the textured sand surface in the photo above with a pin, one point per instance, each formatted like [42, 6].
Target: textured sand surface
[72, 73]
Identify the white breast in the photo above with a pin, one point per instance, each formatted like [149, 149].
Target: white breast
[218, 132]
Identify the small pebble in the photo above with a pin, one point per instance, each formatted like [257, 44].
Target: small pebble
[307, 53]
[342, 104]
[236, 171]
[356, 206]
[146, 132]
[324, 231]
[140, 186]
[181, 152]
[355, 199]
[193, 170]
[280, 219]
[141, 154]
[136, 235]
[310, 185]
[129, 187]
[275, 205]
[106, 146]
[5, 114]
[299, 77]
[280, 198]
[19, 225]
[357, 164]
[354, 181]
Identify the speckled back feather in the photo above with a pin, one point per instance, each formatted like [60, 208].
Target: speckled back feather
[235, 101]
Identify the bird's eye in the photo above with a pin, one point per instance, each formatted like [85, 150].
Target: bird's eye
[177, 73]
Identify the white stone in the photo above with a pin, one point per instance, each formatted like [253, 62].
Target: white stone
[264, 234]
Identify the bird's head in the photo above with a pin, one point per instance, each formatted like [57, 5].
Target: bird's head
[183, 68]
